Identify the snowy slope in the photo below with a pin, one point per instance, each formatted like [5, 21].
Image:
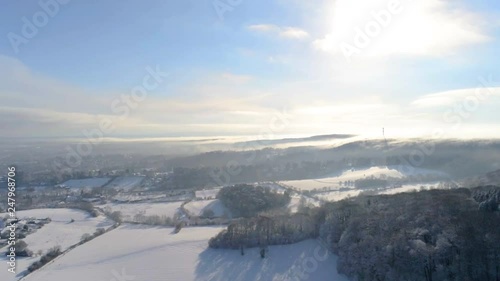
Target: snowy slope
[411, 188]
[207, 193]
[198, 207]
[86, 183]
[126, 183]
[352, 175]
[59, 232]
[338, 195]
[155, 254]
[129, 210]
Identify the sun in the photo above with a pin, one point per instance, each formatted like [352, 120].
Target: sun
[381, 28]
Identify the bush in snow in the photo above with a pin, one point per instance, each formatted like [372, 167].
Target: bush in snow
[50, 255]
[22, 249]
[178, 227]
[116, 216]
[208, 213]
[86, 238]
[99, 232]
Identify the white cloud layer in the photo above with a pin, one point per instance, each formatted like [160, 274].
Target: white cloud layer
[285, 32]
[449, 98]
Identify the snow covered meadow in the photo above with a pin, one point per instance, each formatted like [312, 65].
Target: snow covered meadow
[155, 253]
[65, 230]
[130, 210]
[213, 207]
[337, 188]
[125, 183]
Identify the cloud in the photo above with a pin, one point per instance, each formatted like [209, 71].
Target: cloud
[38, 105]
[450, 98]
[294, 33]
[415, 28]
[216, 103]
[285, 32]
[263, 27]
[22, 87]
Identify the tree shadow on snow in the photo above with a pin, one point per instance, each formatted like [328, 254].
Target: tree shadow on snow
[281, 263]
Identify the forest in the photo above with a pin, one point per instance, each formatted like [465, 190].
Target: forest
[245, 200]
[428, 235]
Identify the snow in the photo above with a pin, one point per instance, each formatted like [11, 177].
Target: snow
[126, 183]
[352, 175]
[207, 193]
[155, 253]
[129, 210]
[294, 204]
[198, 207]
[59, 232]
[127, 197]
[276, 187]
[86, 183]
[410, 188]
[338, 195]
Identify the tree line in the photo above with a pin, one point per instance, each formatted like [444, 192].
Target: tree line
[428, 235]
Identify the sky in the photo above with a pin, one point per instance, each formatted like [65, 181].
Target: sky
[164, 68]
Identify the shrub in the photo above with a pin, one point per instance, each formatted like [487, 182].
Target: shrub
[86, 237]
[85, 206]
[208, 213]
[50, 255]
[178, 227]
[153, 220]
[22, 249]
[99, 231]
[116, 216]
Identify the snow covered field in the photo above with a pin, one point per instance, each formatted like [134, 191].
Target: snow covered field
[86, 183]
[130, 198]
[272, 186]
[337, 195]
[155, 254]
[59, 232]
[352, 175]
[197, 208]
[126, 183]
[207, 193]
[410, 188]
[338, 190]
[129, 210]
